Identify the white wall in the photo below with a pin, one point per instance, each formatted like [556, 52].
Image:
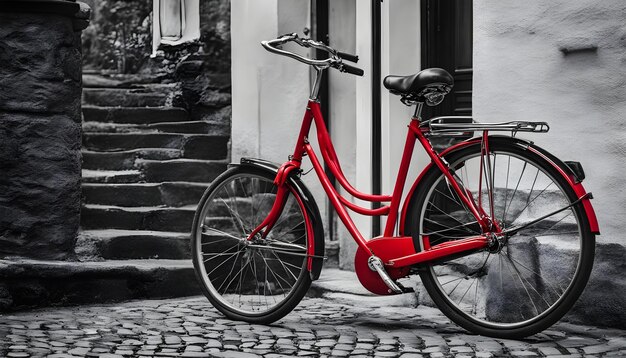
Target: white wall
[520, 74]
[401, 55]
[269, 91]
[343, 123]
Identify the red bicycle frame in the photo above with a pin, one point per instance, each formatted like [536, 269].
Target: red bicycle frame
[312, 115]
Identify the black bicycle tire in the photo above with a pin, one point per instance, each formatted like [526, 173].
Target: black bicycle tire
[301, 286]
[579, 281]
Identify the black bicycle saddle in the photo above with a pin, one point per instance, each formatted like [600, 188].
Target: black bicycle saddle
[415, 84]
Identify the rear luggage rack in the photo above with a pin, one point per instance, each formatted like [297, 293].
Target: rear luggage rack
[450, 126]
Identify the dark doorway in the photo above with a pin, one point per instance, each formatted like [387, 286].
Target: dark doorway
[447, 43]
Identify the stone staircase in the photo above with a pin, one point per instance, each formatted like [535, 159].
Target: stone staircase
[145, 167]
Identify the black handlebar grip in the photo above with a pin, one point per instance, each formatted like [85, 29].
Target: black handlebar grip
[351, 69]
[347, 56]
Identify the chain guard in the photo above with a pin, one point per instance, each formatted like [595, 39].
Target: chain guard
[386, 248]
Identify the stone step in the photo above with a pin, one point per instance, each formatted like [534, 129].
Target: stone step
[154, 171]
[188, 127]
[110, 176]
[137, 218]
[132, 244]
[134, 115]
[215, 99]
[98, 80]
[34, 283]
[125, 160]
[195, 146]
[128, 97]
[189, 170]
[172, 194]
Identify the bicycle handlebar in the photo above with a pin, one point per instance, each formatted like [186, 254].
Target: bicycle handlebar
[351, 70]
[347, 56]
[334, 61]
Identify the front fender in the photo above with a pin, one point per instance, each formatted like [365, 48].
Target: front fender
[312, 212]
[561, 167]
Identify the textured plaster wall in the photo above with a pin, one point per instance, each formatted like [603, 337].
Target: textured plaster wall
[342, 33]
[269, 92]
[40, 130]
[520, 73]
[537, 62]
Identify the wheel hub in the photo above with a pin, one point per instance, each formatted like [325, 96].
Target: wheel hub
[496, 242]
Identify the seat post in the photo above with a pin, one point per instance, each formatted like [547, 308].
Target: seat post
[418, 111]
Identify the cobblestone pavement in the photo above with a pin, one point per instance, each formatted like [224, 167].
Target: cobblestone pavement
[191, 327]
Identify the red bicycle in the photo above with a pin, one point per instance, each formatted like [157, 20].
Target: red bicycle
[501, 232]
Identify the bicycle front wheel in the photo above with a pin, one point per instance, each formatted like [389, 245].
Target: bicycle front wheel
[257, 281]
[531, 279]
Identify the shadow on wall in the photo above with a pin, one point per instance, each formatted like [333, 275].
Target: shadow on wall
[119, 39]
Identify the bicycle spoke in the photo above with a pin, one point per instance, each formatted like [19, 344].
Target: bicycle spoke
[536, 274]
[506, 209]
[234, 210]
[223, 233]
[245, 195]
[220, 265]
[242, 279]
[466, 291]
[528, 203]
[462, 186]
[513, 279]
[278, 276]
[225, 253]
[453, 218]
[229, 273]
[530, 284]
[506, 189]
[530, 192]
[475, 298]
[234, 278]
[453, 289]
[284, 267]
[448, 229]
[256, 279]
[275, 276]
[235, 217]
[266, 283]
[292, 265]
[454, 280]
[523, 285]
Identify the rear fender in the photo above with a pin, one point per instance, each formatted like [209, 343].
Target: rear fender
[565, 171]
[316, 246]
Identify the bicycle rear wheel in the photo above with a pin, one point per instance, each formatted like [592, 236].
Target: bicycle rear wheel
[532, 279]
[257, 281]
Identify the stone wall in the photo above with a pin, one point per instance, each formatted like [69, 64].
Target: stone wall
[40, 131]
